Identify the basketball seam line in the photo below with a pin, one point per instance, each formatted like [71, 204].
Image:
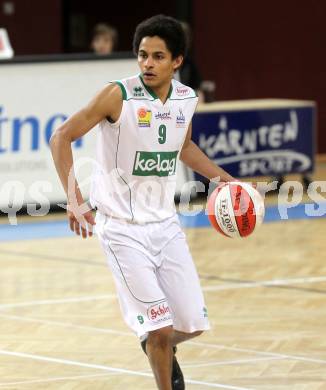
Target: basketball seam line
[236, 221]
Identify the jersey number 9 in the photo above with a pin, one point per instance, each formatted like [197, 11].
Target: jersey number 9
[162, 134]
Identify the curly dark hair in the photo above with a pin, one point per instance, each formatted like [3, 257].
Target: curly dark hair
[165, 27]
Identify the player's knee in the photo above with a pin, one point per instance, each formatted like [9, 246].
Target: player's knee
[160, 338]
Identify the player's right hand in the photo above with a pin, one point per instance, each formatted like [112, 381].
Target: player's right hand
[81, 221]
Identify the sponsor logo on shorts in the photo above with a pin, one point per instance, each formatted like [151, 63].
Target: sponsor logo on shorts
[159, 313]
[163, 115]
[140, 319]
[144, 117]
[181, 120]
[155, 163]
[224, 216]
[205, 312]
[182, 91]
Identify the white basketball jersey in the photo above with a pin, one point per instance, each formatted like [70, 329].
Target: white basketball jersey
[135, 174]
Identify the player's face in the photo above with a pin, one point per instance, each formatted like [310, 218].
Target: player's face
[155, 61]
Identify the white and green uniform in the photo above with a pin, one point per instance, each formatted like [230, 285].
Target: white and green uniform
[135, 178]
[133, 190]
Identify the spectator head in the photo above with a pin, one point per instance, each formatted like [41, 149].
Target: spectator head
[104, 39]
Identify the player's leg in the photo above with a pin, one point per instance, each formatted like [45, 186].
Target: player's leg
[142, 301]
[159, 352]
[178, 279]
[180, 282]
[137, 295]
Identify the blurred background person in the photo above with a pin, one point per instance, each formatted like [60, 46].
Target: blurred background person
[6, 50]
[105, 39]
[189, 73]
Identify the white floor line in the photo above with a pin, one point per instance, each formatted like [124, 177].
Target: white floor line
[230, 362]
[281, 355]
[56, 301]
[273, 282]
[57, 379]
[195, 343]
[66, 325]
[72, 363]
[110, 369]
[216, 385]
[121, 333]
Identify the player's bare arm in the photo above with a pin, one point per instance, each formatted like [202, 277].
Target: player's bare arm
[107, 103]
[194, 158]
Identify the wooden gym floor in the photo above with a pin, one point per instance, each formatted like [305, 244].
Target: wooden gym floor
[60, 324]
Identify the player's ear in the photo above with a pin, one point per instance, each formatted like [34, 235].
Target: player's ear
[177, 62]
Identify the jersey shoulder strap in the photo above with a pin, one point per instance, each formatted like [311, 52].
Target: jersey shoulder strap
[181, 91]
[133, 88]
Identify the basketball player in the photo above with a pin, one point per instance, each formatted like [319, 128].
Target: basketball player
[144, 127]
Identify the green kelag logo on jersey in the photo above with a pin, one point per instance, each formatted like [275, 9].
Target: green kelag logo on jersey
[155, 163]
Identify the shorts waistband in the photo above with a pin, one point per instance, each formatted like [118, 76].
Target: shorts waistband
[133, 222]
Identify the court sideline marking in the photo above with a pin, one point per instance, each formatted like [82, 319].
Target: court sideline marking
[121, 333]
[230, 286]
[195, 343]
[56, 379]
[66, 325]
[55, 258]
[253, 284]
[265, 283]
[231, 362]
[276, 354]
[111, 369]
[56, 301]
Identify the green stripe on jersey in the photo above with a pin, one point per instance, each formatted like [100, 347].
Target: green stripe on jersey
[123, 90]
[148, 89]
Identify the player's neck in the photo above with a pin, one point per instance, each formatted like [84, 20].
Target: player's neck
[163, 91]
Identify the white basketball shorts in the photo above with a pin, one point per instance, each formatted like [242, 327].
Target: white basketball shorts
[156, 279]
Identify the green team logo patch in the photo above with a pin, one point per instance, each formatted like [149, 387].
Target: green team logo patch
[155, 163]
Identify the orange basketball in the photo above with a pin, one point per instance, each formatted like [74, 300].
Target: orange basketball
[235, 209]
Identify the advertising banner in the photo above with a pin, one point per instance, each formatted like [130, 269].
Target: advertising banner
[36, 98]
[264, 141]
